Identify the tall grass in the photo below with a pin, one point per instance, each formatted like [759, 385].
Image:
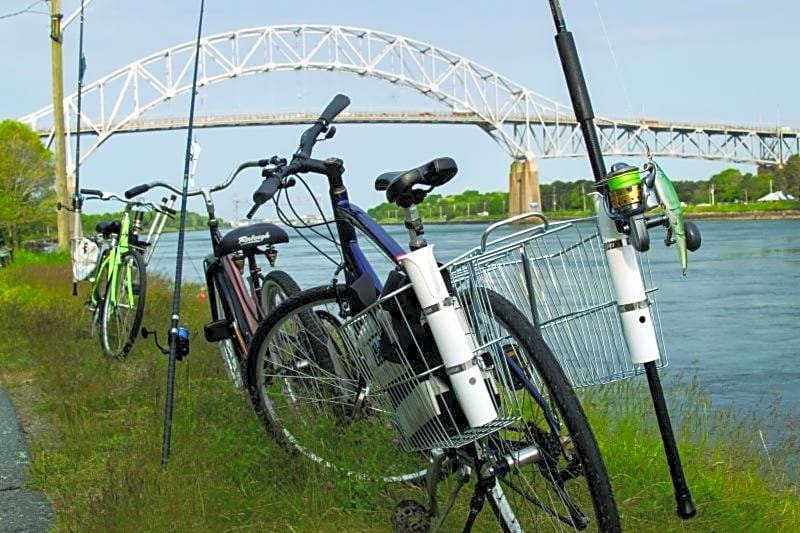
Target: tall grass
[97, 446]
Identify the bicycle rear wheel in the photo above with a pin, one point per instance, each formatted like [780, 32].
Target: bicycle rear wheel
[123, 306]
[89, 320]
[312, 398]
[562, 483]
[275, 288]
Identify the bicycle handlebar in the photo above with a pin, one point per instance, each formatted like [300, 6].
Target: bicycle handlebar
[97, 194]
[144, 187]
[309, 137]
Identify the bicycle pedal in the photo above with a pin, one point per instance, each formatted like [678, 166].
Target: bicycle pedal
[219, 330]
[410, 516]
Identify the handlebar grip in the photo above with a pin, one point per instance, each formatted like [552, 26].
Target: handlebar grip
[94, 192]
[266, 190]
[136, 191]
[337, 105]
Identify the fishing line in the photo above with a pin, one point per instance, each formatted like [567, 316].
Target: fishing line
[176, 335]
[620, 79]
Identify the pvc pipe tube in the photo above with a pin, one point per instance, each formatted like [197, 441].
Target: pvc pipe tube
[452, 338]
[632, 303]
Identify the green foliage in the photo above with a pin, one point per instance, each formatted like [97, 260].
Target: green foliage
[469, 204]
[27, 201]
[569, 198]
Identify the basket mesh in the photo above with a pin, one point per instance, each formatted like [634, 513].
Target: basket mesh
[572, 299]
[404, 375]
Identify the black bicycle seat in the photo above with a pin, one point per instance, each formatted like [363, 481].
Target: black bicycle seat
[399, 186]
[251, 236]
[108, 228]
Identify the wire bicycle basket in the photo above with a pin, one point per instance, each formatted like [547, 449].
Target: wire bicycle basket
[402, 372]
[558, 276]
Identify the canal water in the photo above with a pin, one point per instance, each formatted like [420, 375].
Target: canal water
[732, 320]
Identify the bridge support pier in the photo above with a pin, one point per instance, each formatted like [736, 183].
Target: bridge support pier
[523, 187]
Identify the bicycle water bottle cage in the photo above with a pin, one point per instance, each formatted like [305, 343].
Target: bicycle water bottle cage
[399, 186]
[108, 228]
[250, 237]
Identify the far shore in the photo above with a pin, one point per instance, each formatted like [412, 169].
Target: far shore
[693, 215]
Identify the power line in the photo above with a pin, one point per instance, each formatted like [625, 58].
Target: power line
[28, 9]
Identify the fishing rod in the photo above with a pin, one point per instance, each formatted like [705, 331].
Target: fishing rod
[620, 227]
[77, 199]
[179, 336]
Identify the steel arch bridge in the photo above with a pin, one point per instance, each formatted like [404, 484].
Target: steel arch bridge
[525, 124]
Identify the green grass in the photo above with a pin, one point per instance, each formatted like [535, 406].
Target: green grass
[96, 437]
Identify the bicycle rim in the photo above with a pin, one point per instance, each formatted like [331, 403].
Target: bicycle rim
[567, 487]
[312, 398]
[123, 308]
[230, 356]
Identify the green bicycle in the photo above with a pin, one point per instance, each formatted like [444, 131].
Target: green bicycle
[119, 282]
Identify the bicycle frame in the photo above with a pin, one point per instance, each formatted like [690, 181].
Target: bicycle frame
[448, 323]
[241, 299]
[115, 259]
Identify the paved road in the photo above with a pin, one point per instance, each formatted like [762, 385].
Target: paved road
[20, 509]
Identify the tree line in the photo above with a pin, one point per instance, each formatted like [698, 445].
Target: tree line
[729, 186]
[27, 196]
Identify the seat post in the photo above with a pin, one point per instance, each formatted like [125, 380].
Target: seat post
[413, 224]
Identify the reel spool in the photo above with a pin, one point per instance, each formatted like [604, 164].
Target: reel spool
[626, 194]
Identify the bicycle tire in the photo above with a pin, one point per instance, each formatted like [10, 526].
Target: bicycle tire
[303, 388]
[89, 319]
[120, 323]
[276, 286]
[588, 483]
[232, 355]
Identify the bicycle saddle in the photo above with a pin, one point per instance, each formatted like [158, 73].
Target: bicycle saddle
[248, 237]
[399, 186]
[107, 228]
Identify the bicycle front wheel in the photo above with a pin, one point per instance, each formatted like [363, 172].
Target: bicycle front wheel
[309, 393]
[123, 306]
[556, 479]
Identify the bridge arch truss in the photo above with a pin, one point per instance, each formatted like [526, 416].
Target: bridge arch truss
[524, 123]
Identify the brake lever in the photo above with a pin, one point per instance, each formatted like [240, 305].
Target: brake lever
[252, 211]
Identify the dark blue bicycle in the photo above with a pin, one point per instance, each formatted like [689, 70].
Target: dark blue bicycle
[426, 374]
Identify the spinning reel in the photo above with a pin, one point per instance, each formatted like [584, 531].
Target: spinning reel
[628, 195]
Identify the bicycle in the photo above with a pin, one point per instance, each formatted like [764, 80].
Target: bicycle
[237, 305]
[429, 363]
[118, 288]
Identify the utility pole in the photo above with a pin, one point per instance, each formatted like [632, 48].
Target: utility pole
[62, 193]
[583, 196]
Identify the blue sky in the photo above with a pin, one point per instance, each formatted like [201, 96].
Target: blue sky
[704, 61]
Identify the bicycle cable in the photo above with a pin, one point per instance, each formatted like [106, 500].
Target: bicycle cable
[287, 222]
